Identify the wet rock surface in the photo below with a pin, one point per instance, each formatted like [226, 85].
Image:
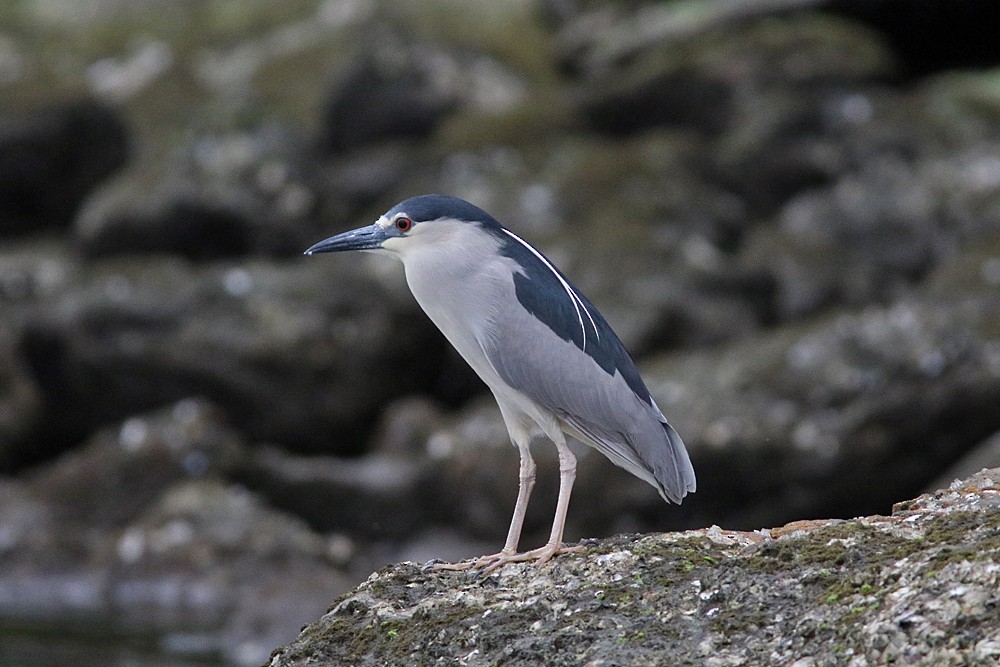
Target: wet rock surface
[789, 211]
[918, 586]
[141, 529]
[248, 336]
[69, 149]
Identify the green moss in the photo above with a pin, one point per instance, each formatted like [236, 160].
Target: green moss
[903, 506]
[779, 555]
[737, 621]
[832, 547]
[843, 572]
[952, 527]
[639, 635]
[955, 554]
[847, 587]
[950, 533]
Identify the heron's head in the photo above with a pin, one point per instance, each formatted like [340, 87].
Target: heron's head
[422, 223]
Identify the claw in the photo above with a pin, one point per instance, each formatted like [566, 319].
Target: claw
[540, 556]
[430, 565]
[471, 564]
[486, 565]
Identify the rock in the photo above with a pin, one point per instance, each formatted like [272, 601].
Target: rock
[20, 402]
[873, 234]
[400, 87]
[121, 471]
[285, 349]
[241, 193]
[51, 158]
[919, 585]
[397, 90]
[406, 426]
[141, 531]
[375, 496]
[31, 270]
[207, 568]
[216, 553]
[597, 34]
[720, 84]
[789, 222]
[677, 98]
[938, 22]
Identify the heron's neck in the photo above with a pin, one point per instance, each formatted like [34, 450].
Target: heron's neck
[460, 289]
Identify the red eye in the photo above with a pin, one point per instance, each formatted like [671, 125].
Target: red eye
[404, 224]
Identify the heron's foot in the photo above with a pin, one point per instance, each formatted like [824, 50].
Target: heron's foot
[539, 556]
[472, 564]
[488, 564]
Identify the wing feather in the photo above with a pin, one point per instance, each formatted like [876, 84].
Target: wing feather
[599, 408]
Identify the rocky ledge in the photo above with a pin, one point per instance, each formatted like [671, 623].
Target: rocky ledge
[919, 587]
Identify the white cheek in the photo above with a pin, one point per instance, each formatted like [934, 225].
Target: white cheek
[381, 251]
[394, 245]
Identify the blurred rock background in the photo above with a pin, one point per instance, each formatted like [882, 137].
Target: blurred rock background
[788, 209]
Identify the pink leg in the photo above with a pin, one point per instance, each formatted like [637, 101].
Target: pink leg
[567, 475]
[525, 483]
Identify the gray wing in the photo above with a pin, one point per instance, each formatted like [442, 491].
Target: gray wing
[610, 410]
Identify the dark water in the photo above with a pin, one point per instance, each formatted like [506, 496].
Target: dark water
[81, 645]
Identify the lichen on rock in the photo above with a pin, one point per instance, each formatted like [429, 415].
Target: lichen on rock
[921, 586]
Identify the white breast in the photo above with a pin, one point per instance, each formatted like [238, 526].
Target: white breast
[459, 290]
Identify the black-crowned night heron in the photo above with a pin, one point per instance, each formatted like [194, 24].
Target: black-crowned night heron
[550, 359]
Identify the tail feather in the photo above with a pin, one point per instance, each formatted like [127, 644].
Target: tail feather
[672, 470]
[660, 461]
